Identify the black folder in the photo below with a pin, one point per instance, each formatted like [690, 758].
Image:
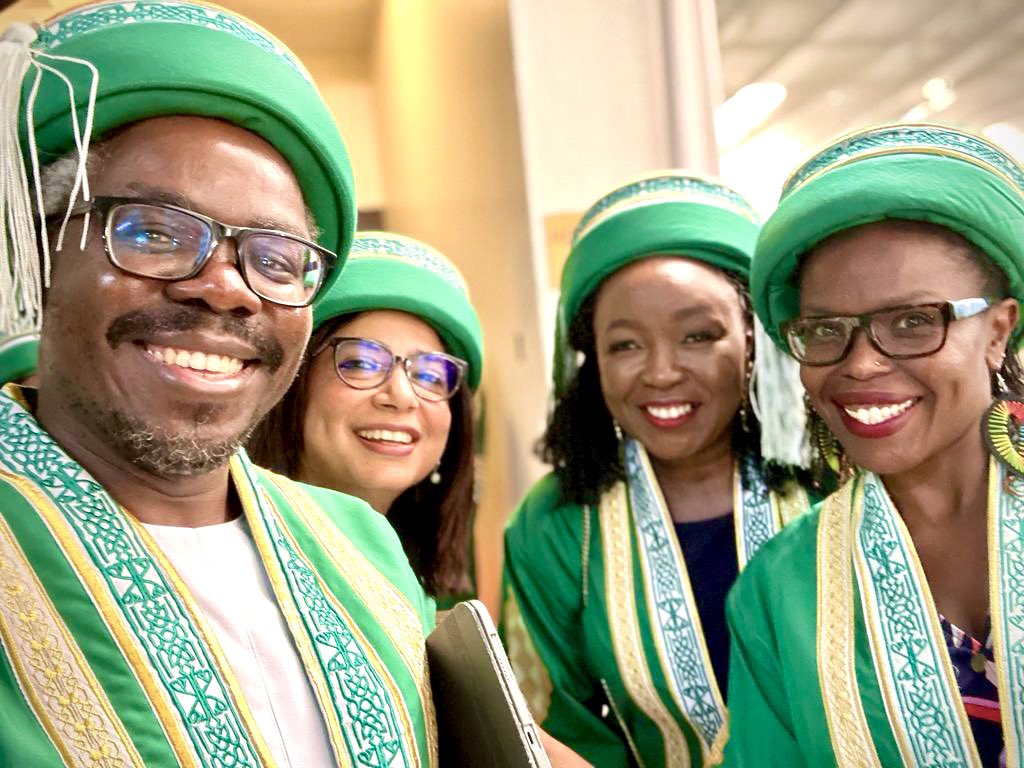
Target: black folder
[482, 719]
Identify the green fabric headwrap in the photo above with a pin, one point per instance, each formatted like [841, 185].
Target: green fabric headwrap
[916, 172]
[18, 356]
[186, 58]
[388, 271]
[670, 212]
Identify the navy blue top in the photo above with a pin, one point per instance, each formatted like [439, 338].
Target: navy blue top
[709, 549]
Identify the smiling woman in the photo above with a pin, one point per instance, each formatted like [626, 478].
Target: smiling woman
[885, 627]
[617, 564]
[382, 406]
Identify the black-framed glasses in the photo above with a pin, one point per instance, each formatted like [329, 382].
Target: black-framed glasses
[367, 363]
[165, 242]
[898, 332]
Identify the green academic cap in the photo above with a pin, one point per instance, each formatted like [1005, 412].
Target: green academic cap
[121, 62]
[389, 271]
[916, 172]
[685, 214]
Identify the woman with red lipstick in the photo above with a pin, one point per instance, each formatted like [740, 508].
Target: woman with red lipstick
[887, 626]
[382, 407]
[617, 564]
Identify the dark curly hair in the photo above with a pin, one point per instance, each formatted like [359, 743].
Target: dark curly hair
[434, 522]
[580, 442]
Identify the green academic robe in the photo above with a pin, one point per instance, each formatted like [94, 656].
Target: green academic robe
[601, 625]
[105, 660]
[837, 653]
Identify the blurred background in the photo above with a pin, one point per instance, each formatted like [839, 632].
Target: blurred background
[486, 127]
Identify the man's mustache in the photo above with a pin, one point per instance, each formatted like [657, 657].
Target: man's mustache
[140, 324]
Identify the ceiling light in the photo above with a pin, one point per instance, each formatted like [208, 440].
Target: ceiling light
[745, 110]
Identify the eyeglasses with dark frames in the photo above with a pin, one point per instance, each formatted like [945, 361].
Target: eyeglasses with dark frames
[368, 363]
[902, 332]
[165, 242]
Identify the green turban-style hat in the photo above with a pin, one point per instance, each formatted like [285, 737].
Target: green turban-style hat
[18, 357]
[389, 271]
[148, 59]
[929, 173]
[668, 212]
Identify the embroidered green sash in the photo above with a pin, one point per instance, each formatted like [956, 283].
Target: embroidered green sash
[860, 526]
[674, 621]
[96, 610]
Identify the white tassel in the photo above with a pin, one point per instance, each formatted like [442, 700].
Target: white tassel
[777, 398]
[22, 272]
[20, 288]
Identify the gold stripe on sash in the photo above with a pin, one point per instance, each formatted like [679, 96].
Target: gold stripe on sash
[401, 709]
[898, 721]
[624, 624]
[53, 674]
[395, 613]
[790, 503]
[701, 650]
[844, 711]
[998, 603]
[531, 673]
[300, 637]
[203, 629]
[121, 634]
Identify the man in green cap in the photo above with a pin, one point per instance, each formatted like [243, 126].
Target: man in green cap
[164, 602]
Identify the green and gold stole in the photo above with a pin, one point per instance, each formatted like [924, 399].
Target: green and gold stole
[636, 512]
[111, 663]
[864, 548]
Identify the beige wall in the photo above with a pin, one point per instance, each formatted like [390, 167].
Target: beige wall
[349, 92]
[452, 167]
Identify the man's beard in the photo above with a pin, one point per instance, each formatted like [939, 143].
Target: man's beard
[154, 450]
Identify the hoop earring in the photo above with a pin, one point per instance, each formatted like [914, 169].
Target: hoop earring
[1002, 425]
[829, 449]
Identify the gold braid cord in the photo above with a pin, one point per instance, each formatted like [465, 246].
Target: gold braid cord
[625, 626]
[64, 694]
[844, 711]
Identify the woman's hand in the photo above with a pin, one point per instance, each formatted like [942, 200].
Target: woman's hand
[559, 754]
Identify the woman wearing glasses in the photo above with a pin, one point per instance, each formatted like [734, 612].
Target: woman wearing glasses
[617, 564]
[887, 627]
[381, 408]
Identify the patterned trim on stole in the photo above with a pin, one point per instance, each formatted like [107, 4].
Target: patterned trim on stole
[677, 630]
[399, 619]
[918, 684]
[53, 675]
[625, 629]
[133, 596]
[531, 672]
[1006, 601]
[791, 503]
[756, 510]
[366, 700]
[844, 711]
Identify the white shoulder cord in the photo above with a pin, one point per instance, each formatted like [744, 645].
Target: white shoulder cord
[23, 274]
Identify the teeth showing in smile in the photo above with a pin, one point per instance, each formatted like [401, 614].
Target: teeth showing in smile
[385, 435]
[873, 414]
[197, 361]
[669, 411]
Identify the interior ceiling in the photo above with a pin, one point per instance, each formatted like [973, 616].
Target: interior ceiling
[850, 63]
